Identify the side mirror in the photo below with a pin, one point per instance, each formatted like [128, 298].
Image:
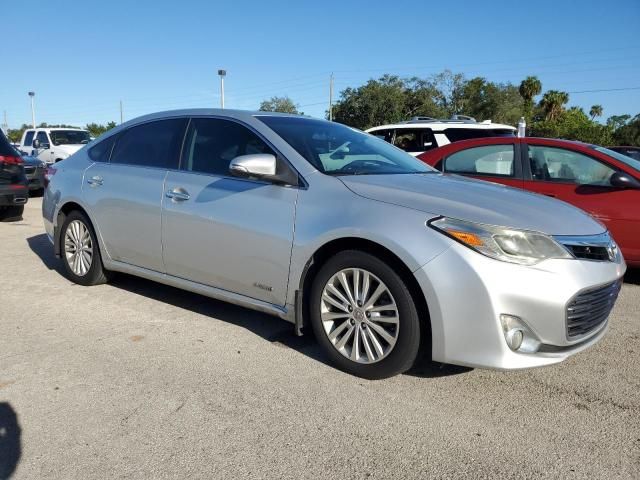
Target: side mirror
[36, 143]
[257, 165]
[624, 180]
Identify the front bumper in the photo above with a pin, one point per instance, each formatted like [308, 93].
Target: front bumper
[467, 293]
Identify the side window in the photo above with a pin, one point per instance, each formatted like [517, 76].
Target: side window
[42, 138]
[28, 139]
[409, 140]
[486, 160]
[386, 135]
[153, 144]
[212, 143]
[101, 151]
[566, 166]
[428, 140]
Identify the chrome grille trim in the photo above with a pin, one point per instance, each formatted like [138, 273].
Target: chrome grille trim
[590, 308]
[597, 248]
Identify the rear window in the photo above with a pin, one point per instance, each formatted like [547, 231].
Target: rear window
[101, 151]
[153, 144]
[457, 134]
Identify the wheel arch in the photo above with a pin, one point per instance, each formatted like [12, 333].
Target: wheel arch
[63, 211]
[335, 246]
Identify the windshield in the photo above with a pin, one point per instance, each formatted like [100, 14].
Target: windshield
[69, 137]
[632, 162]
[336, 149]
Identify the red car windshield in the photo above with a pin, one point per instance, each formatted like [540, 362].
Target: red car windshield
[631, 162]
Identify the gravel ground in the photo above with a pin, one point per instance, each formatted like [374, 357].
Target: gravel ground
[138, 380]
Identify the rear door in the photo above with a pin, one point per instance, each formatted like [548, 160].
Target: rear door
[125, 194]
[583, 180]
[227, 232]
[497, 162]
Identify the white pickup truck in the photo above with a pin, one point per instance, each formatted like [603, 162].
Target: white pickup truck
[53, 144]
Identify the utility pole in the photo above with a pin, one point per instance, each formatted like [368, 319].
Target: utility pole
[33, 111]
[331, 97]
[121, 112]
[5, 125]
[222, 74]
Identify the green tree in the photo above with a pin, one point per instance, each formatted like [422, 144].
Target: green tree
[374, 103]
[450, 87]
[529, 88]
[573, 124]
[618, 121]
[596, 111]
[628, 133]
[553, 102]
[279, 104]
[499, 102]
[96, 129]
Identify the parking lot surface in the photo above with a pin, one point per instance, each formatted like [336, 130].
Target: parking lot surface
[139, 380]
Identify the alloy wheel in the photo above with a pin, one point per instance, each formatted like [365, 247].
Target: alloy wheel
[78, 248]
[359, 315]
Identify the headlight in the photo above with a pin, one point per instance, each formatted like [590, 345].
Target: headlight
[506, 244]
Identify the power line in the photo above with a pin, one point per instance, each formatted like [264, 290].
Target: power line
[607, 90]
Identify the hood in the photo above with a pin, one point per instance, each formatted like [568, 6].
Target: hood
[69, 149]
[475, 201]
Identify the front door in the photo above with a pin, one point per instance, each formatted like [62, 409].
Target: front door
[230, 233]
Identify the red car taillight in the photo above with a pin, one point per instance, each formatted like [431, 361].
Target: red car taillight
[48, 175]
[11, 160]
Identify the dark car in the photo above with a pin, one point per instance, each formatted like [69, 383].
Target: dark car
[598, 180]
[14, 191]
[633, 152]
[34, 170]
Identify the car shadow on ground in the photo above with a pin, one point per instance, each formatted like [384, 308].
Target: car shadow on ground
[10, 441]
[277, 331]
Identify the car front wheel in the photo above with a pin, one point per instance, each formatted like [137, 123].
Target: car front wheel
[364, 316]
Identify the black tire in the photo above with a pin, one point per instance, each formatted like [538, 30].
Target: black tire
[404, 352]
[12, 213]
[96, 274]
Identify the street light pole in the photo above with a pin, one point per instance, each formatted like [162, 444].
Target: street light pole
[331, 97]
[222, 74]
[33, 111]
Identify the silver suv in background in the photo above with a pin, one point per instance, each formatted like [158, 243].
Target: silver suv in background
[336, 230]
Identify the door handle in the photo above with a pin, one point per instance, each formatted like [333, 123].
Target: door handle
[95, 181]
[178, 195]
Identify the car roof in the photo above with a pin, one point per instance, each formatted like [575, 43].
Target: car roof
[440, 125]
[48, 129]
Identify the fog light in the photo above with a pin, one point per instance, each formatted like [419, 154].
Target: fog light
[514, 338]
[518, 335]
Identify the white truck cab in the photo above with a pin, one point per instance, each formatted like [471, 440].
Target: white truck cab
[420, 134]
[53, 144]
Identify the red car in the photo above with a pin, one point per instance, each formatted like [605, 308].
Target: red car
[600, 181]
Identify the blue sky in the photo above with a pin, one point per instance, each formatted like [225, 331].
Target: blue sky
[82, 58]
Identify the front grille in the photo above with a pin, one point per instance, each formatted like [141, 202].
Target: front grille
[589, 252]
[590, 308]
[29, 169]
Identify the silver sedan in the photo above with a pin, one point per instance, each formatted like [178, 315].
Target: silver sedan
[339, 232]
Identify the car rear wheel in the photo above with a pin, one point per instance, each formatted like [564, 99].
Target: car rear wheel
[364, 317]
[80, 252]
[12, 213]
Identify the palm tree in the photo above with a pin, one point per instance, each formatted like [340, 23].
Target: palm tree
[596, 111]
[553, 102]
[529, 88]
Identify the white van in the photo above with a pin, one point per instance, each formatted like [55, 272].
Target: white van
[53, 144]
